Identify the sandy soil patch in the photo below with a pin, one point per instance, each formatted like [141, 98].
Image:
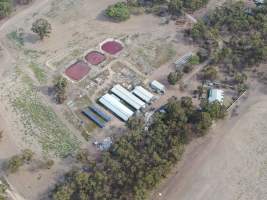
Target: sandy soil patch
[230, 163]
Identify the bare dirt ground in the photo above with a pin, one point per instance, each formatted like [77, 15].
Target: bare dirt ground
[229, 163]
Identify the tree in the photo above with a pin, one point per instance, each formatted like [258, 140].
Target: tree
[60, 86]
[41, 27]
[63, 193]
[210, 73]
[187, 68]
[240, 78]
[215, 109]
[136, 123]
[1, 134]
[200, 90]
[14, 163]
[174, 77]
[203, 54]
[5, 8]
[3, 189]
[205, 121]
[175, 7]
[194, 60]
[194, 4]
[83, 156]
[27, 155]
[119, 11]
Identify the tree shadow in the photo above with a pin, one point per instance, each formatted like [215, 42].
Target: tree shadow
[30, 38]
[104, 18]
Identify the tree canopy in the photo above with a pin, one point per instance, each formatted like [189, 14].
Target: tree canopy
[137, 161]
[243, 31]
[5, 8]
[41, 27]
[118, 11]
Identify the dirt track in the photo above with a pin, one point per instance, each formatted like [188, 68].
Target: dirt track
[230, 163]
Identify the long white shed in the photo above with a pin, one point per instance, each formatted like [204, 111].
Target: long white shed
[116, 107]
[128, 97]
[143, 94]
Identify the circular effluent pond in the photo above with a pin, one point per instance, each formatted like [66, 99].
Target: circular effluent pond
[95, 57]
[112, 47]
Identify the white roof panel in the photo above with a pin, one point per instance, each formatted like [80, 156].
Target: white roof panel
[128, 97]
[157, 85]
[216, 95]
[143, 94]
[116, 107]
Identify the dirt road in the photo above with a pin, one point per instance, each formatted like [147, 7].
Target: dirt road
[230, 163]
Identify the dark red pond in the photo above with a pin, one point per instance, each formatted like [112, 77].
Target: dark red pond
[77, 70]
[112, 47]
[95, 57]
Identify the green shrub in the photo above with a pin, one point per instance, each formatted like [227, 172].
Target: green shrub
[187, 68]
[174, 77]
[194, 60]
[118, 11]
[14, 163]
[194, 4]
[5, 8]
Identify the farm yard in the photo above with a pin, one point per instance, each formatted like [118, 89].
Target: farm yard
[92, 62]
[70, 96]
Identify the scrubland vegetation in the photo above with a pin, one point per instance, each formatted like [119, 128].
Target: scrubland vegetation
[242, 32]
[121, 11]
[139, 160]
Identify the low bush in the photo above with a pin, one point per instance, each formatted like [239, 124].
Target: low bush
[118, 11]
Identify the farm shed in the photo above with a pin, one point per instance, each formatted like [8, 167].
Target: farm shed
[143, 94]
[128, 97]
[116, 107]
[157, 86]
[216, 95]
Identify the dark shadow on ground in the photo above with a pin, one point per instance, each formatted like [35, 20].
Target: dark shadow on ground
[104, 18]
[31, 38]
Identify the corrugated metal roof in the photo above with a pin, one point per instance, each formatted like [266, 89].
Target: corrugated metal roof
[157, 85]
[128, 97]
[143, 94]
[116, 107]
[216, 95]
[183, 60]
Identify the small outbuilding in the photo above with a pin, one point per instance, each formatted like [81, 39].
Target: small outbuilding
[216, 95]
[157, 86]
